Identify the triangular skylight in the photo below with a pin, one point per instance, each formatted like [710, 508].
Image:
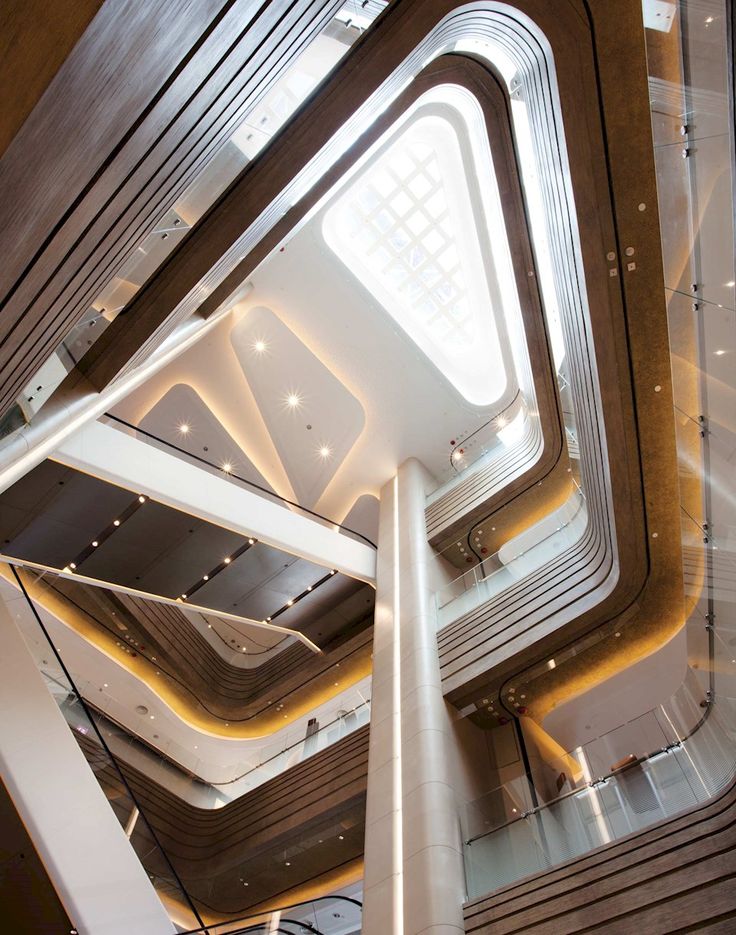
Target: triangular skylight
[413, 225]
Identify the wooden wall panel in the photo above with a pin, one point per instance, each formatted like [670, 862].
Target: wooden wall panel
[35, 38]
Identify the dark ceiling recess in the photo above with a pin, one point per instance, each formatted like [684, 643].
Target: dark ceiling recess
[29, 901]
[65, 519]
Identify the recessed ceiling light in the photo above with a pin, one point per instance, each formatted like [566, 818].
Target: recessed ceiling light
[95, 543]
[720, 352]
[259, 346]
[72, 565]
[289, 603]
[227, 467]
[251, 541]
[184, 428]
[325, 451]
[116, 522]
[730, 284]
[501, 422]
[141, 499]
[227, 561]
[293, 400]
[153, 716]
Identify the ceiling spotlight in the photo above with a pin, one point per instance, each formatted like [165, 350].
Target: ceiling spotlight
[289, 603]
[206, 578]
[184, 428]
[227, 467]
[227, 561]
[72, 565]
[456, 456]
[95, 543]
[116, 522]
[325, 451]
[184, 596]
[259, 346]
[730, 284]
[251, 541]
[309, 588]
[141, 499]
[501, 422]
[720, 352]
[293, 400]
[334, 571]
[268, 619]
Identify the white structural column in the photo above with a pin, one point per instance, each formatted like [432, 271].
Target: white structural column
[414, 881]
[97, 875]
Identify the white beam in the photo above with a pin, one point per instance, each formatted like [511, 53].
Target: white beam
[121, 459]
[99, 879]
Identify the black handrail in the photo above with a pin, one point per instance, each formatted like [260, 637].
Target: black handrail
[480, 428]
[243, 480]
[205, 930]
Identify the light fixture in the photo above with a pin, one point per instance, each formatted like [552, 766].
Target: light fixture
[72, 565]
[227, 561]
[205, 578]
[324, 452]
[309, 587]
[334, 571]
[720, 352]
[141, 499]
[184, 596]
[730, 284]
[293, 400]
[104, 684]
[184, 428]
[251, 541]
[116, 522]
[289, 603]
[227, 467]
[259, 346]
[95, 543]
[501, 422]
[153, 717]
[268, 619]
[341, 837]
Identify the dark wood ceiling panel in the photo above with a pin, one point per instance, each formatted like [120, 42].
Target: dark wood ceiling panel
[151, 92]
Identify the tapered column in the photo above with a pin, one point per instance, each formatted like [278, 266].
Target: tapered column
[414, 879]
[96, 874]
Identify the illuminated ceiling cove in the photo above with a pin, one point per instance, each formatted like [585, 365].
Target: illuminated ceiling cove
[421, 226]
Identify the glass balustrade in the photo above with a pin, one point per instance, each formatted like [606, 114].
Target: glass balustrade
[514, 561]
[329, 915]
[682, 753]
[644, 771]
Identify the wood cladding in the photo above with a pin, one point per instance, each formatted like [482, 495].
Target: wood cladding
[201, 677]
[145, 98]
[677, 876]
[269, 837]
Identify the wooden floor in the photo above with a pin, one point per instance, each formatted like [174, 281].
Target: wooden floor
[677, 876]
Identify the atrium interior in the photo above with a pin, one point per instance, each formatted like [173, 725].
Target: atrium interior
[367, 457]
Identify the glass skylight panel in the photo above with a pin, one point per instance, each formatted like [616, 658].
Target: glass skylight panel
[414, 225]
